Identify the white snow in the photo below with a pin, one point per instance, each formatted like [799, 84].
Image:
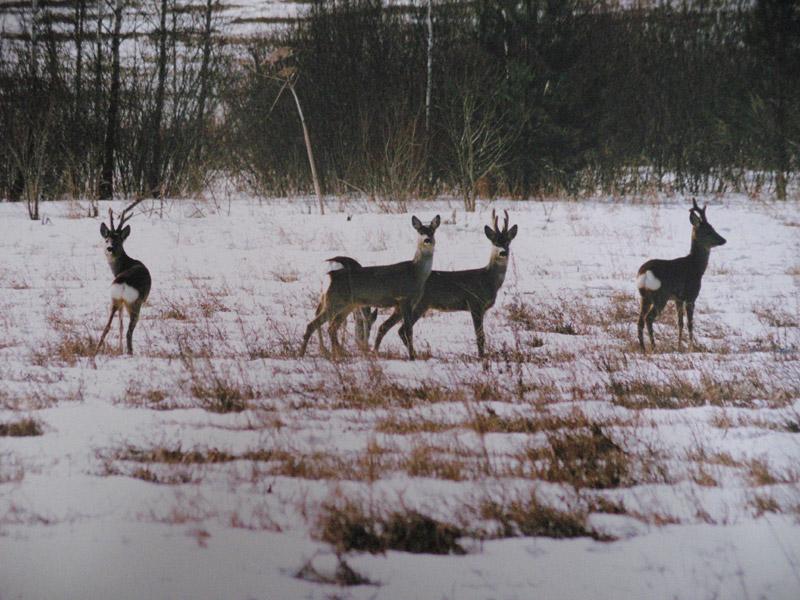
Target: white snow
[233, 289]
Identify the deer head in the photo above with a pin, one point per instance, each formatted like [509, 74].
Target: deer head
[427, 241]
[702, 231]
[115, 236]
[501, 238]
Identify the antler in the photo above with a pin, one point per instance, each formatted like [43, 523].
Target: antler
[505, 222]
[700, 211]
[494, 220]
[111, 218]
[126, 213]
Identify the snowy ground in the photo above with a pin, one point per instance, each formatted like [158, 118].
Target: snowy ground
[215, 464]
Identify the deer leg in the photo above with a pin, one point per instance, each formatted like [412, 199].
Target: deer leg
[655, 309]
[690, 322]
[477, 322]
[317, 313]
[408, 326]
[120, 330]
[364, 321]
[333, 331]
[133, 319]
[679, 308]
[416, 315]
[313, 326]
[107, 328]
[393, 319]
[643, 310]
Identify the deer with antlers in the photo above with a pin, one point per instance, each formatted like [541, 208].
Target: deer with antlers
[473, 290]
[660, 281]
[131, 284]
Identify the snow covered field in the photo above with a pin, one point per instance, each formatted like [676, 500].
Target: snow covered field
[214, 464]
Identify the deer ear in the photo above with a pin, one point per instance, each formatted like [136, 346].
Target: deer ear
[416, 223]
[104, 230]
[489, 233]
[126, 232]
[437, 220]
[694, 219]
[512, 233]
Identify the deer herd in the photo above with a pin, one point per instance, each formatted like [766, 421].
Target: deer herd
[411, 288]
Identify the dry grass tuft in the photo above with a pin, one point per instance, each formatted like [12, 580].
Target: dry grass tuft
[347, 526]
[425, 460]
[761, 473]
[69, 349]
[541, 317]
[344, 575]
[173, 456]
[530, 517]
[22, 428]
[375, 389]
[676, 389]
[582, 459]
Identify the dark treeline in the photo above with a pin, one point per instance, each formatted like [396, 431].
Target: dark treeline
[523, 98]
[83, 115]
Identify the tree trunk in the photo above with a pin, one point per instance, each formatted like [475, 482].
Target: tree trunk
[204, 84]
[107, 174]
[429, 82]
[80, 17]
[154, 173]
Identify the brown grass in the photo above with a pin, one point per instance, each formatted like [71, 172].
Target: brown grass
[528, 516]
[69, 349]
[582, 459]
[761, 473]
[675, 389]
[23, 428]
[347, 526]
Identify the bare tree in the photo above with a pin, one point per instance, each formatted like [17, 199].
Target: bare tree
[154, 175]
[478, 141]
[205, 67]
[112, 116]
[28, 148]
[429, 81]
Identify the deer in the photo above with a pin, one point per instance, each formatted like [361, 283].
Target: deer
[398, 286]
[131, 284]
[660, 281]
[472, 290]
[364, 317]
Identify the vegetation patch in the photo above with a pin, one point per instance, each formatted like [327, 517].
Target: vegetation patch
[530, 517]
[21, 428]
[346, 526]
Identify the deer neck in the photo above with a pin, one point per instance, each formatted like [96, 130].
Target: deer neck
[119, 263]
[423, 262]
[698, 256]
[497, 268]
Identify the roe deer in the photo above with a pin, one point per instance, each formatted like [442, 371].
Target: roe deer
[660, 281]
[131, 283]
[364, 317]
[399, 286]
[473, 290]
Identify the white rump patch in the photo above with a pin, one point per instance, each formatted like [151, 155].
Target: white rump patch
[124, 292]
[335, 265]
[648, 281]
